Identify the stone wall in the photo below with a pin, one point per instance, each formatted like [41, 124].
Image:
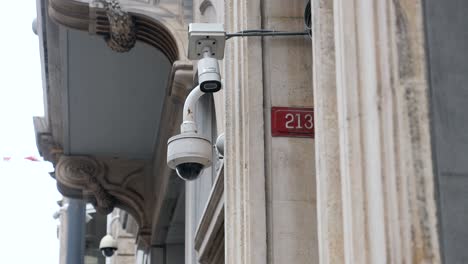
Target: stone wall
[269, 182]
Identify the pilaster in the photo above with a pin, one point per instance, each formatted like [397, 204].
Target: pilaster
[387, 181]
[245, 208]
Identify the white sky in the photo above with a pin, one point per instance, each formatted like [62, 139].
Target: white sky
[27, 193]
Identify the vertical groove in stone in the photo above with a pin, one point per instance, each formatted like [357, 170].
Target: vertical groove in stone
[329, 204]
[387, 183]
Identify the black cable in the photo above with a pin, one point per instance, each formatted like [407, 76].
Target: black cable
[265, 33]
[255, 30]
[308, 19]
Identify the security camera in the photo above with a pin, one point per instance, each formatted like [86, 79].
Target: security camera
[208, 73]
[108, 246]
[189, 153]
[206, 44]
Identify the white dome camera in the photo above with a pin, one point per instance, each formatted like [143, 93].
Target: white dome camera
[189, 153]
[108, 246]
[206, 44]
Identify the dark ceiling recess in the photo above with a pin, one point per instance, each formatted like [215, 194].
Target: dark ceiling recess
[307, 17]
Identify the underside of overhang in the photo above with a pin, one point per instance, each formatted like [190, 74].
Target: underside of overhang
[109, 114]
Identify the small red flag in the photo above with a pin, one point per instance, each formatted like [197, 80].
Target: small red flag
[32, 158]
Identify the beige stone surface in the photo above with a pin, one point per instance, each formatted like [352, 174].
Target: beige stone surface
[386, 172]
[126, 242]
[329, 199]
[291, 189]
[270, 184]
[246, 229]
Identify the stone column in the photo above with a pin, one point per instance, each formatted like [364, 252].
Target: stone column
[387, 181]
[76, 229]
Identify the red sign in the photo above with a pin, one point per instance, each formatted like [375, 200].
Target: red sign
[292, 122]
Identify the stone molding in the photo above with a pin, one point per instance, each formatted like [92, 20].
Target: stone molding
[108, 183]
[70, 13]
[209, 237]
[386, 185]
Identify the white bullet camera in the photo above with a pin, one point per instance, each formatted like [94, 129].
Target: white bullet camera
[108, 246]
[206, 44]
[189, 153]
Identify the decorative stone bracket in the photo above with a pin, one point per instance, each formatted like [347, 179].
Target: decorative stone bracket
[108, 183]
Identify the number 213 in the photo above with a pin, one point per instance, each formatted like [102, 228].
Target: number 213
[290, 118]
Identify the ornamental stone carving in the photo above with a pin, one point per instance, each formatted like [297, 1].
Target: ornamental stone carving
[108, 183]
[122, 34]
[83, 173]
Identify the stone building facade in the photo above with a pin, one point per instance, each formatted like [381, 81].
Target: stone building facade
[370, 187]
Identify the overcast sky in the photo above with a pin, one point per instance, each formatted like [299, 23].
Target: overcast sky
[27, 193]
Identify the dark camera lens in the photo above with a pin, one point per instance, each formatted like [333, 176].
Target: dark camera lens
[210, 86]
[189, 171]
[108, 252]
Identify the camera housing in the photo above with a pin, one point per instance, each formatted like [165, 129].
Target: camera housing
[203, 35]
[208, 74]
[206, 44]
[108, 246]
[189, 153]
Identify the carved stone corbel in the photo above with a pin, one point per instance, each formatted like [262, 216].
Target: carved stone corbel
[108, 183]
[83, 173]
